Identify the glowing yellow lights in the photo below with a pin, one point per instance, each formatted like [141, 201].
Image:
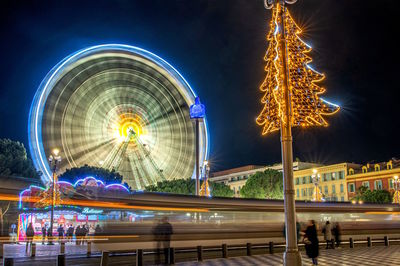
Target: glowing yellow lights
[56, 152]
[128, 123]
[307, 108]
[314, 171]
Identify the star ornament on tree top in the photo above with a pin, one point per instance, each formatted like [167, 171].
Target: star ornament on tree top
[306, 107]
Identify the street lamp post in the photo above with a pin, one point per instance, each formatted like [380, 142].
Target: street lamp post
[396, 195]
[205, 189]
[197, 113]
[316, 178]
[54, 161]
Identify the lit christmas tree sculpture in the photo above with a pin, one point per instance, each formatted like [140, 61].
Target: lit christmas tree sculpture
[291, 99]
[307, 108]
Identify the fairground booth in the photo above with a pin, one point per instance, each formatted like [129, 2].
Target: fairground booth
[74, 204]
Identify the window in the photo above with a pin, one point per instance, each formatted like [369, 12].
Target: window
[297, 193]
[341, 188]
[326, 189]
[389, 165]
[351, 171]
[377, 167]
[351, 187]
[303, 192]
[234, 190]
[304, 180]
[333, 189]
[310, 191]
[342, 199]
[365, 184]
[378, 184]
[364, 169]
[324, 177]
[297, 181]
[341, 174]
[311, 181]
[333, 176]
[391, 184]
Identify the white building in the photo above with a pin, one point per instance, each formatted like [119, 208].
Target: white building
[235, 178]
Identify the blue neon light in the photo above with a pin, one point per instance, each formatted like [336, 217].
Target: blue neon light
[197, 110]
[77, 183]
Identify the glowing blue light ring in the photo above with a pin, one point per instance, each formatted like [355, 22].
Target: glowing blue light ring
[45, 87]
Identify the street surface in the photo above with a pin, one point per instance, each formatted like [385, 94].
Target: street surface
[377, 255]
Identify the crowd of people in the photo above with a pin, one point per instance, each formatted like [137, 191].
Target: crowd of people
[332, 236]
[68, 233]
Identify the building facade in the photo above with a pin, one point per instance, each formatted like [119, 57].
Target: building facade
[236, 178]
[374, 176]
[331, 180]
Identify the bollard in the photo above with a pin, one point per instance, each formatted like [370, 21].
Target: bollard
[61, 260]
[369, 242]
[8, 262]
[33, 249]
[89, 249]
[351, 242]
[271, 247]
[62, 248]
[224, 251]
[104, 258]
[199, 253]
[172, 256]
[248, 248]
[1, 250]
[139, 257]
[386, 239]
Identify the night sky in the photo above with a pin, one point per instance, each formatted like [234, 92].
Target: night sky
[218, 46]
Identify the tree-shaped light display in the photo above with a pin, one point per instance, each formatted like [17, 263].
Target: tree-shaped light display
[291, 98]
[307, 108]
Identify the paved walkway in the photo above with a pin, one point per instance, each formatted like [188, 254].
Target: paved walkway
[382, 256]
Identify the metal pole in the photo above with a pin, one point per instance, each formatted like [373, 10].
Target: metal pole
[291, 255]
[52, 206]
[197, 158]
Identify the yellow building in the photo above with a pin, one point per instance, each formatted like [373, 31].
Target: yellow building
[331, 182]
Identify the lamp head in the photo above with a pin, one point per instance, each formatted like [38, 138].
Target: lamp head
[56, 151]
[314, 171]
[396, 177]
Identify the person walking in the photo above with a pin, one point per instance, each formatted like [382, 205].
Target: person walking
[337, 232]
[30, 232]
[327, 231]
[44, 233]
[97, 230]
[162, 233]
[78, 232]
[311, 242]
[70, 233]
[61, 232]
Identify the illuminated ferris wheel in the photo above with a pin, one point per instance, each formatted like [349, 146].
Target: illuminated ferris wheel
[117, 107]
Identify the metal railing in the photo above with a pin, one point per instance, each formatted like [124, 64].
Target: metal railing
[223, 250]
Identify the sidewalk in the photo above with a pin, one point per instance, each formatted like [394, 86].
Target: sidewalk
[380, 255]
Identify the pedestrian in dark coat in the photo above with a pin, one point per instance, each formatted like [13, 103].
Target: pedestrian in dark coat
[30, 232]
[311, 242]
[337, 234]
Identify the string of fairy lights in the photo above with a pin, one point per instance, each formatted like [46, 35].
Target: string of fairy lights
[307, 108]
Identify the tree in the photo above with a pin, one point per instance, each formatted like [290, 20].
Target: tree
[187, 187]
[72, 175]
[220, 190]
[307, 108]
[264, 185]
[373, 196]
[175, 186]
[14, 160]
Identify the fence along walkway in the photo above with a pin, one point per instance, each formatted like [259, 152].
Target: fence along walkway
[366, 256]
[200, 253]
